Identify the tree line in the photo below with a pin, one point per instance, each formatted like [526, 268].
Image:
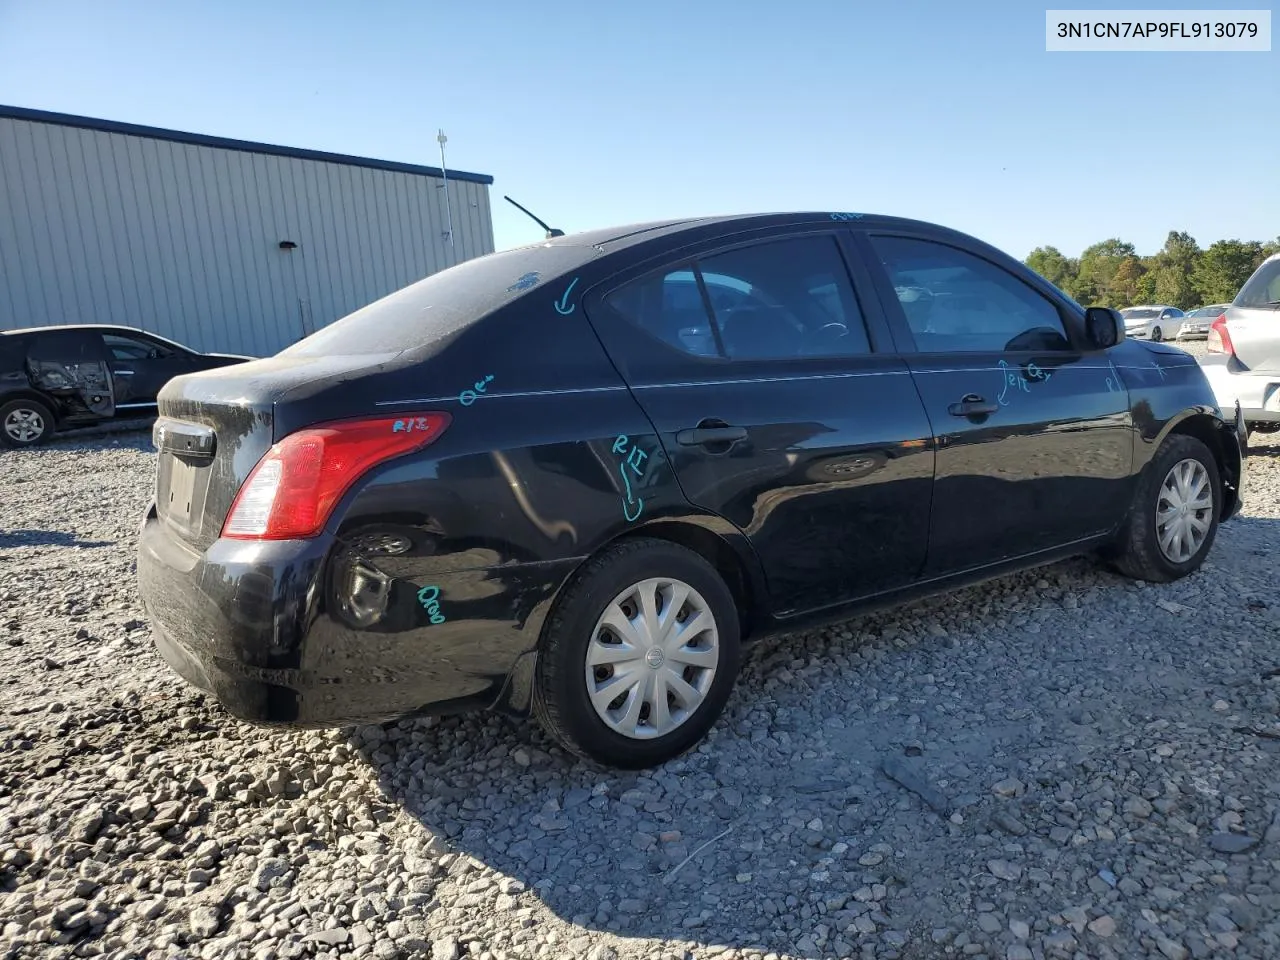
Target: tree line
[1180, 274]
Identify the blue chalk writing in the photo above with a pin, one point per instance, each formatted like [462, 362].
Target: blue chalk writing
[563, 306]
[1111, 387]
[1011, 379]
[633, 458]
[408, 426]
[468, 397]
[525, 282]
[1159, 369]
[846, 216]
[429, 597]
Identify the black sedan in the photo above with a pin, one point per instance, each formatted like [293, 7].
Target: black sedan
[76, 375]
[575, 478]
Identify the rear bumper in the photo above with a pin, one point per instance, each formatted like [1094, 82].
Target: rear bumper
[1241, 432]
[1258, 394]
[315, 633]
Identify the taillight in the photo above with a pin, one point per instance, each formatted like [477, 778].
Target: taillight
[1219, 339]
[292, 491]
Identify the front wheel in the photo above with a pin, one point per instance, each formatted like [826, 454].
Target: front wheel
[1157, 334]
[640, 656]
[25, 423]
[1173, 519]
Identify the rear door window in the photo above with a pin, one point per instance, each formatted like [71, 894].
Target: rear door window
[778, 299]
[957, 302]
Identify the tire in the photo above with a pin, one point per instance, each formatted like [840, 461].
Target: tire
[25, 423]
[562, 700]
[1139, 552]
[1156, 335]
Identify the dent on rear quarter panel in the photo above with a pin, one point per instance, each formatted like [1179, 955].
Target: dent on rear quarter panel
[449, 559]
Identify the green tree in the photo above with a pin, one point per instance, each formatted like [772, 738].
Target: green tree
[1098, 267]
[1053, 266]
[1172, 269]
[1271, 248]
[1124, 285]
[1224, 268]
[1145, 289]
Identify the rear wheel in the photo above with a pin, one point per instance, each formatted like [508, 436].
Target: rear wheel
[1174, 516]
[25, 423]
[640, 656]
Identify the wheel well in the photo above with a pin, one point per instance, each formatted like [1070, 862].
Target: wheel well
[1209, 431]
[47, 402]
[717, 553]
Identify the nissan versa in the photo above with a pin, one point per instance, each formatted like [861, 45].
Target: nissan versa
[575, 478]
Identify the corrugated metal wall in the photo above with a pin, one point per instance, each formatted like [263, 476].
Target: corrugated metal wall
[183, 239]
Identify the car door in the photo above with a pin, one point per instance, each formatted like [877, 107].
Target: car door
[69, 364]
[142, 365]
[756, 362]
[1170, 322]
[1032, 430]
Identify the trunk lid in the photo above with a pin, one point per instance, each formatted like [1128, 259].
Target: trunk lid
[215, 425]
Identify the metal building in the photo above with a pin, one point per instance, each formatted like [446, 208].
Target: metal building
[223, 245]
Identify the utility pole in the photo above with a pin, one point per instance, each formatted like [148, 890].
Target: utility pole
[448, 210]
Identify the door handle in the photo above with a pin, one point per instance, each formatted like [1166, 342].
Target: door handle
[972, 406]
[705, 433]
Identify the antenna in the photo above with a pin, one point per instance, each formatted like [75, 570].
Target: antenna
[551, 231]
[444, 175]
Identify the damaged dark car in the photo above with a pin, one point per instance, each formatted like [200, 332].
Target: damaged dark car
[54, 378]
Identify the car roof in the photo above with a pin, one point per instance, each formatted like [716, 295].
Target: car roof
[120, 328]
[610, 239]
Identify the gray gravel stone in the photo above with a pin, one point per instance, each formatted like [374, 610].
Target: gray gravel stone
[1087, 795]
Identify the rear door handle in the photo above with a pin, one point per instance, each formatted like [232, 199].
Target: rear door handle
[703, 435]
[972, 406]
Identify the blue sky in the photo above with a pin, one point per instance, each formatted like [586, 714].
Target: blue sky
[593, 114]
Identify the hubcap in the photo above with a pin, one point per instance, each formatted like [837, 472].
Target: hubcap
[652, 658]
[24, 424]
[1184, 510]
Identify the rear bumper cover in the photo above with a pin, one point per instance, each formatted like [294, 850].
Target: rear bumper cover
[1258, 394]
[316, 634]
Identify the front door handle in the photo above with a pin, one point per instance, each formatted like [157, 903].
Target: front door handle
[706, 434]
[972, 406]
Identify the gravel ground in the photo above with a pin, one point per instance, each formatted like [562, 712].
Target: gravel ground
[1057, 764]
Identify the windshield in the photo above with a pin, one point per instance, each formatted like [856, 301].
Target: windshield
[445, 302]
[1262, 289]
[1139, 313]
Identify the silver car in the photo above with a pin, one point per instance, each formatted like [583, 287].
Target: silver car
[1195, 326]
[1157, 321]
[1244, 350]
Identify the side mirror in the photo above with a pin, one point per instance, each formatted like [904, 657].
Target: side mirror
[1104, 327]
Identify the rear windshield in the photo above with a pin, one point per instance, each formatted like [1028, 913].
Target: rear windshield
[1262, 289]
[1142, 314]
[444, 302]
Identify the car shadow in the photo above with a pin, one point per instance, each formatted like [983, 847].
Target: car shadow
[47, 538]
[774, 831]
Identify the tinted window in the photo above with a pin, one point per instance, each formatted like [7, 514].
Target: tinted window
[784, 298]
[129, 348]
[440, 305]
[957, 302]
[799, 301]
[1262, 289]
[669, 306]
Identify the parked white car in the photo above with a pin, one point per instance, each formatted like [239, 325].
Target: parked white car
[1195, 325]
[1157, 321]
[1243, 363]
